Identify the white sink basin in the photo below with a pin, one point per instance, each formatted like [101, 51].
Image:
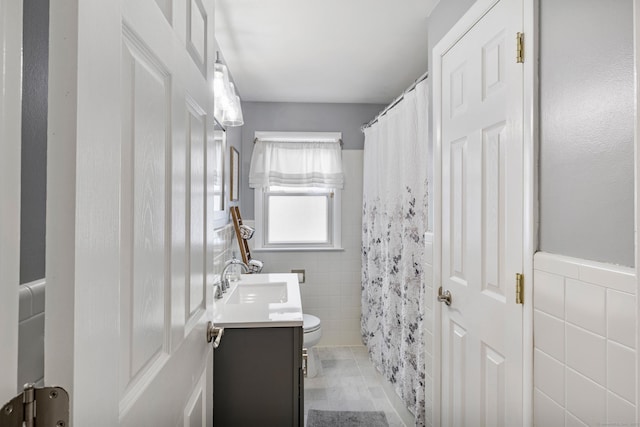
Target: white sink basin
[258, 293]
[260, 301]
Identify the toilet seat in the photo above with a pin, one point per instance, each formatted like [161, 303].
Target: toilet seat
[310, 323]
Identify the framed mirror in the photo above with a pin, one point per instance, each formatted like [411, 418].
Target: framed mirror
[215, 172]
[234, 194]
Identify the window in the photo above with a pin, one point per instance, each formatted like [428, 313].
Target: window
[298, 181]
[298, 217]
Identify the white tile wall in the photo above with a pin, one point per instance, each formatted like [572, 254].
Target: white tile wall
[224, 246]
[584, 339]
[332, 289]
[549, 376]
[548, 412]
[621, 318]
[31, 334]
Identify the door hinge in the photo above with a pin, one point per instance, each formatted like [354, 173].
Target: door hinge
[37, 407]
[519, 288]
[520, 48]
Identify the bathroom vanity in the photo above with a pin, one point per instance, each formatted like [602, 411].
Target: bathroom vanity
[258, 367]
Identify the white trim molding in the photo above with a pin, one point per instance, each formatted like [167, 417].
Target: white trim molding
[10, 146]
[636, 168]
[530, 189]
[531, 220]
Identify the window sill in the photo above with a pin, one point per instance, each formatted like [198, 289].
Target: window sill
[294, 249]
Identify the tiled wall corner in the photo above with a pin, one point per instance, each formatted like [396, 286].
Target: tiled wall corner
[31, 334]
[584, 342]
[225, 245]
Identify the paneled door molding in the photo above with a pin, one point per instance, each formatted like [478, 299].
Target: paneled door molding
[130, 237]
[524, 21]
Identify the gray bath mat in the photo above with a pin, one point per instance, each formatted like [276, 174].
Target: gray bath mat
[318, 418]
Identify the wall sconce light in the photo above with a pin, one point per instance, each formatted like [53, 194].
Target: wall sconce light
[232, 116]
[227, 105]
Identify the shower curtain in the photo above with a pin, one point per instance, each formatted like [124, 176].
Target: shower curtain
[393, 255]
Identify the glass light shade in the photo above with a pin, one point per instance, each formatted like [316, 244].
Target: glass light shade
[222, 94]
[232, 116]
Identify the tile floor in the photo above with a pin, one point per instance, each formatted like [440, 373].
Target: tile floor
[347, 381]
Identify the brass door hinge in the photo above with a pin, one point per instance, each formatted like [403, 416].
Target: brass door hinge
[519, 48]
[51, 404]
[519, 288]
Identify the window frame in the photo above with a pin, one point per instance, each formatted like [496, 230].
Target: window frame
[334, 219]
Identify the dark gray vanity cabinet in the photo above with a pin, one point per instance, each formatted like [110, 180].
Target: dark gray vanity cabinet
[258, 379]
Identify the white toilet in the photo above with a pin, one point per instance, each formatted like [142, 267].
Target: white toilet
[312, 334]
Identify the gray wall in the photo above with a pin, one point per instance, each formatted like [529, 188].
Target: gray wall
[586, 124]
[281, 116]
[35, 68]
[34, 139]
[442, 18]
[586, 127]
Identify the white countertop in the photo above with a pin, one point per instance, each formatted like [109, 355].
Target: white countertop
[252, 312]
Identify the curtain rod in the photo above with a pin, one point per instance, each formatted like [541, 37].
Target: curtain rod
[395, 101]
[255, 140]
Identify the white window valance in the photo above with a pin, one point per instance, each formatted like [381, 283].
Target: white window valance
[286, 161]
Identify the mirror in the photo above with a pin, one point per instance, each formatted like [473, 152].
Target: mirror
[234, 194]
[215, 171]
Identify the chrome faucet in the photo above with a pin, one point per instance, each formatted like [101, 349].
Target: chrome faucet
[224, 282]
[254, 266]
[217, 291]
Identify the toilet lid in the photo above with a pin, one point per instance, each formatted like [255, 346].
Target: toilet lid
[310, 323]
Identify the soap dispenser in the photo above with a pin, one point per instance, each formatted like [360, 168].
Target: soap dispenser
[233, 273]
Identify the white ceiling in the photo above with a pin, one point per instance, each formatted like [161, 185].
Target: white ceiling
[359, 51]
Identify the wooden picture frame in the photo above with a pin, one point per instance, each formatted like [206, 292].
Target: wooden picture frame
[234, 193]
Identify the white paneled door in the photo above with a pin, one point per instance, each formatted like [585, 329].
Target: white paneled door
[10, 107]
[479, 114]
[129, 241]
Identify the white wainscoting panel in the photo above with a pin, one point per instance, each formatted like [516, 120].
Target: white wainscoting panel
[585, 342]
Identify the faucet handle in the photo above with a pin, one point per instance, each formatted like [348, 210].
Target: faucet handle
[217, 291]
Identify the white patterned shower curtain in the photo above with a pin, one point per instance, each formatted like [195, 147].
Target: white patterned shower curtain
[393, 250]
